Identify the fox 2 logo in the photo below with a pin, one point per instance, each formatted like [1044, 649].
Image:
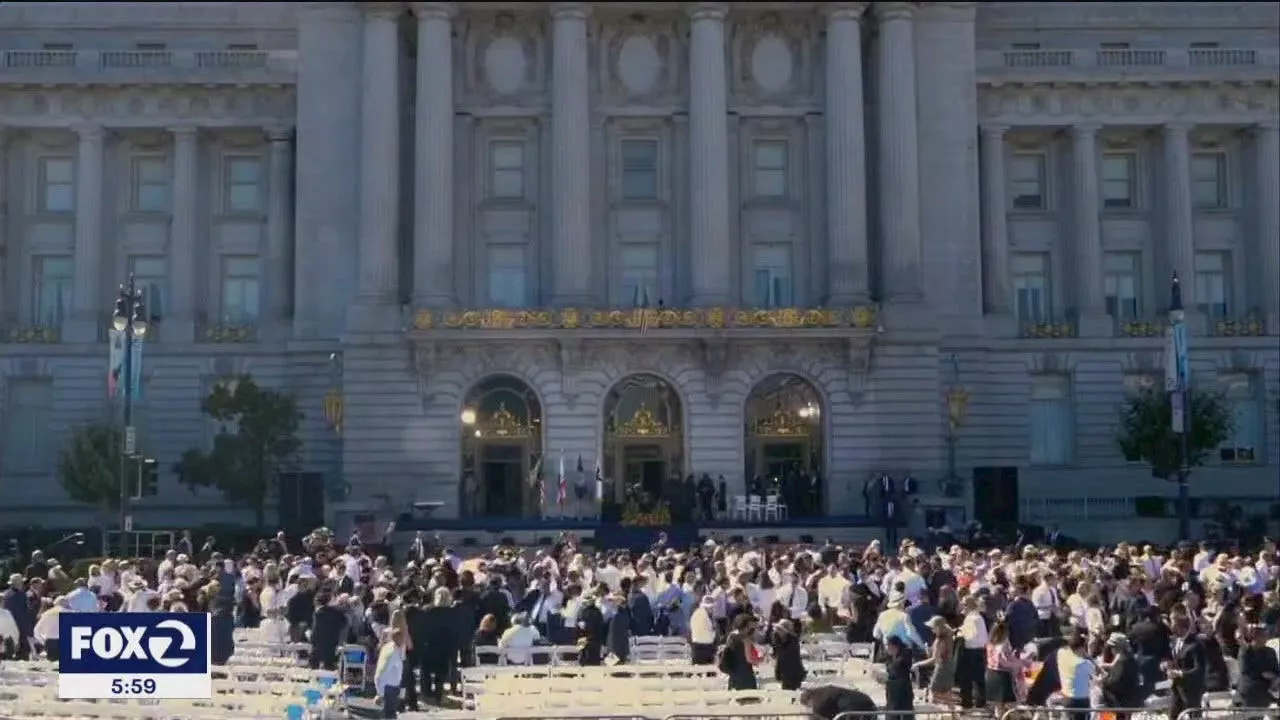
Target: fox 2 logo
[133, 643]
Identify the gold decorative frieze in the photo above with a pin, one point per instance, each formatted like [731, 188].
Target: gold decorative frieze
[229, 333]
[781, 423]
[334, 404]
[643, 424]
[1244, 327]
[863, 317]
[34, 334]
[1048, 330]
[503, 424]
[1142, 328]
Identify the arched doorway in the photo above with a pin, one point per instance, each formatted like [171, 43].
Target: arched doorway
[784, 443]
[643, 443]
[501, 426]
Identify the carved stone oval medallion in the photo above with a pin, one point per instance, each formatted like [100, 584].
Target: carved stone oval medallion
[638, 64]
[771, 64]
[505, 65]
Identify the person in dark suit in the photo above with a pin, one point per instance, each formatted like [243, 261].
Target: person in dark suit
[222, 628]
[1259, 669]
[1187, 667]
[592, 632]
[438, 652]
[641, 609]
[619, 635]
[1121, 684]
[328, 629]
[1151, 644]
[788, 665]
[494, 602]
[17, 602]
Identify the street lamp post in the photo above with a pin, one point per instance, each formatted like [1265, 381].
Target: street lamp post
[130, 319]
[1177, 382]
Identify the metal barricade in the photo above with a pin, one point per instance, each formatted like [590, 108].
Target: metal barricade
[1271, 713]
[927, 714]
[744, 712]
[577, 717]
[1051, 712]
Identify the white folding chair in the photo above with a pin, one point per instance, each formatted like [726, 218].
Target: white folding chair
[755, 508]
[740, 511]
[774, 508]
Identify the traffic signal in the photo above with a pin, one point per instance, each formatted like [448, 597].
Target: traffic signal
[148, 477]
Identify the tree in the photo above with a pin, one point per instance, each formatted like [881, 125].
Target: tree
[257, 435]
[1146, 430]
[89, 465]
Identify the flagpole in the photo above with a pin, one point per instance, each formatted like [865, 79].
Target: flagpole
[1180, 403]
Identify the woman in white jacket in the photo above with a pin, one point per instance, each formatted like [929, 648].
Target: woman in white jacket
[390, 669]
[46, 629]
[702, 632]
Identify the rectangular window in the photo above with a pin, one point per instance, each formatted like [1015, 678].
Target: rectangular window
[508, 276]
[638, 275]
[242, 184]
[1204, 45]
[243, 47]
[1118, 190]
[57, 184]
[1122, 284]
[1114, 46]
[639, 169]
[1246, 412]
[28, 441]
[58, 47]
[769, 159]
[151, 185]
[151, 277]
[1026, 180]
[1051, 421]
[772, 268]
[53, 288]
[506, 170]
[1208, 180]
[1213, 284]
[1032, 288]
[241, 283]
[150, 47]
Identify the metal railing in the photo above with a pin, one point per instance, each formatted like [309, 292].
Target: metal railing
[175, 66]
[1167, 61]
[1098, 713]
[930, 714]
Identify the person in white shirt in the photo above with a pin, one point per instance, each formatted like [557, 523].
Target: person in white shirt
[518, 639]
[971, 668]
[914, 586]
[46, 629]
[82, 599]
[894, 622]
[702, 632]
[1046, 600]
[1075, 672]
[390, 669]
[793, 596]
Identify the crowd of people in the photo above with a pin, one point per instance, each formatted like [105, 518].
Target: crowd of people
[956, 626]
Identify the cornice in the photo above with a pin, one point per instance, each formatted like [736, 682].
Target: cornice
[1060, 105]
[1128, 16]
[151, 15]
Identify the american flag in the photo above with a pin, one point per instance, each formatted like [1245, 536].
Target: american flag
[563, 490]
[599, 481]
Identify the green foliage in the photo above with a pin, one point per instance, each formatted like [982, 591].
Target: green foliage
[1146, 430]
[257, 435]
[89, 465]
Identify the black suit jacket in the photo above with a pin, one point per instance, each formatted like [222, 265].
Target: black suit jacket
[1191, 660]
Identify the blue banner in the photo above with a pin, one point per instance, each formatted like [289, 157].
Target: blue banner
[125, 644]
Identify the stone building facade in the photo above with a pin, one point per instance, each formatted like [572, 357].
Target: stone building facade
[786, 231]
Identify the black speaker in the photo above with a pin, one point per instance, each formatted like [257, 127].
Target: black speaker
[995, 496]
[301, 505]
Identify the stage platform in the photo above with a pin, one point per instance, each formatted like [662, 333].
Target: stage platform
[486, 532]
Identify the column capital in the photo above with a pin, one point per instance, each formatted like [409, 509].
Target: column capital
[1269, 126]
[717, 11]
[1177, 128]
[425, 11]
[382, 10]
[844, 11]
[90, 132]
[570, 11]
[1086, 130]
[888, 11]
[278, 133]
[995, 132]
[183, 132]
